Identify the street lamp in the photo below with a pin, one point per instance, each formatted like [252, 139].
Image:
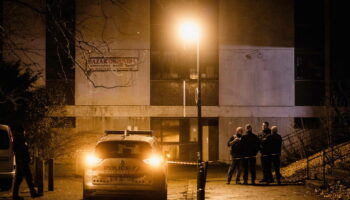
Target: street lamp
[190, 31]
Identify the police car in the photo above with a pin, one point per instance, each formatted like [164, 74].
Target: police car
[7, 158]
[126, 164]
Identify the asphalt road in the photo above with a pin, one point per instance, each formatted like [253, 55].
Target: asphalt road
[182, 185]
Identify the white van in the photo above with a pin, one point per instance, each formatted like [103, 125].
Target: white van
[7, 158]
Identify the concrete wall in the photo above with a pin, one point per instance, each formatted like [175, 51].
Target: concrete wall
[264, 23]
[256, 76]
[256, 66]
[256, 54]
[113, 30]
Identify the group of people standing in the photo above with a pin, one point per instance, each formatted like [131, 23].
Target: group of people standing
[245, 146]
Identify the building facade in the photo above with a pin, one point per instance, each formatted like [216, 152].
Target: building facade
[121, 64]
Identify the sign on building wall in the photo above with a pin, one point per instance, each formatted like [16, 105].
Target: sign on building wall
[113, 64]
[113, 71]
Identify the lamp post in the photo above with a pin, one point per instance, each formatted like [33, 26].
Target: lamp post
[190, 32]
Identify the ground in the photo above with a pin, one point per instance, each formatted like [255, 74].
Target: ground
[182, 185]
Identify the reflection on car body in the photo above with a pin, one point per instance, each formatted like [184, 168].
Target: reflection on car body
[7, 158]
[126, 164]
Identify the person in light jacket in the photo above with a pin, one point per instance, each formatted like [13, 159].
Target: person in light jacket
[234, 143]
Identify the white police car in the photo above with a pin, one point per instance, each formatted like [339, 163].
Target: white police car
[126, 164]
[7, 158]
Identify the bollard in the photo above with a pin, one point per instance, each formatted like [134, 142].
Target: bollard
[307, 168]
[50, 174]
[200, 182]
[39, 175]
[205, 173]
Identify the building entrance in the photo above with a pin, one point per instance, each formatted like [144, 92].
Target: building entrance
[178, 137]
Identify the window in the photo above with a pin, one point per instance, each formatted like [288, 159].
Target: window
[307, 123]
[193, 130]
[310, 93]
[170, 130]
[1, 25]
[173, 66]
[4, 140]
[309, 53]
[124, 149]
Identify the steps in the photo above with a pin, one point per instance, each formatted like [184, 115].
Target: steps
[340, 173]
[314, 184]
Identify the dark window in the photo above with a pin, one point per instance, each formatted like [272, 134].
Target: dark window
[307, 123]
[171, 92]
[60, 47]
[4, 140]
[166, 92]
[309, 66]
[340, 70]
[1, 25]
[309, 93]
[309, 52]
[341, 93]
[173, 62]
[123, 149]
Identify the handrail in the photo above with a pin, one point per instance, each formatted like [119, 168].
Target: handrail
[300, 144]
[328, 150]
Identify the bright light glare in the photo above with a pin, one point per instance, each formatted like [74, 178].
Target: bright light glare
[168, 155]
[189, 31]
[154, 160]
[92, 160]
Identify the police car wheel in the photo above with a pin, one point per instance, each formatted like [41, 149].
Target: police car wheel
[6, 184]
[85, 197]
[162, 195]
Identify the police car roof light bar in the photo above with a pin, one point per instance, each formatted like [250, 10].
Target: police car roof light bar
[128, 132]
[108, 132]
[141, 132]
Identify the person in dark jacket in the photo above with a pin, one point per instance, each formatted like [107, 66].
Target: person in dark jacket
[265, 148]
[236, 155]
[276, 147]
[250, 147]
[21, 152]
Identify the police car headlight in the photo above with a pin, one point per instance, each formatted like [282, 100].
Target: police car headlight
[154, 160]
[92, 160]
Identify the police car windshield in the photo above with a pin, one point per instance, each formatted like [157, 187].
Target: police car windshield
[123, 149]
[4, 140]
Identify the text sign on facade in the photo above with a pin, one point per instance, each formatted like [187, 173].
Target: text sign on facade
[106, 64]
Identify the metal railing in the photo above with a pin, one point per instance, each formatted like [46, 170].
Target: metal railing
[295, 146]
[328, 157]
[302, 144]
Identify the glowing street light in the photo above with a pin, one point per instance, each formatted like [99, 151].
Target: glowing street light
[190, 31]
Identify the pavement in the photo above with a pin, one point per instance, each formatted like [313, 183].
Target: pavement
[182, 186]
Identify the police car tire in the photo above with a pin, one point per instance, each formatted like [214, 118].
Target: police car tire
[162, 195]
[6, 184]
[85, 197]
